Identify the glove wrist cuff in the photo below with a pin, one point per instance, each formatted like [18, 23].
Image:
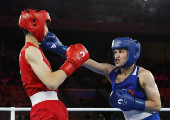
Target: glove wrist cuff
[139, 104]
[68, 68]
[63, 51]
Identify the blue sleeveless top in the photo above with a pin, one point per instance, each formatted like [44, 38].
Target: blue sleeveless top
[131, 82]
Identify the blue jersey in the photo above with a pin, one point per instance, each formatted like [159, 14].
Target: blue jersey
[132, 83]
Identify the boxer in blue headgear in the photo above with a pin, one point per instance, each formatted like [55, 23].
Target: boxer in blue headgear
[132, 46]
[134, 90]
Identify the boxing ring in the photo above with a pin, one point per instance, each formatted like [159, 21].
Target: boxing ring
[13, 109]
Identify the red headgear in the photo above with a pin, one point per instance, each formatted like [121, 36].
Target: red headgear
[34, 22]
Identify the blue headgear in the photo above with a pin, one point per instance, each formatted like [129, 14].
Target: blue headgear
[132, 46]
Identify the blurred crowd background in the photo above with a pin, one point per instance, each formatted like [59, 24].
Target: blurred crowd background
[93, 23]
[146, 11]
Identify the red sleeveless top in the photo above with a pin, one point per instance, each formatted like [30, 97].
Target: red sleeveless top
[31, 83]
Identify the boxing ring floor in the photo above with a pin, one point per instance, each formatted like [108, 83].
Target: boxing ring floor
[12, 110]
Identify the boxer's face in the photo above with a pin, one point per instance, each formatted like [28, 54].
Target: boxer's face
[121, 56]
[45, 30]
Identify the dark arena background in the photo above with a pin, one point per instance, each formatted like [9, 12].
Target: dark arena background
[93, 23]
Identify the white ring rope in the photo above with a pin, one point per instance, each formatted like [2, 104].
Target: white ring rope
[13, 109]
[71, 109]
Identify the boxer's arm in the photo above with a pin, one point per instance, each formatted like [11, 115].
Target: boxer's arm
[51, 79]
[147, 80]
[100, 68]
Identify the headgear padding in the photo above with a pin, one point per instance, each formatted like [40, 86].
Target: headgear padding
[132, 46]
[34, 22]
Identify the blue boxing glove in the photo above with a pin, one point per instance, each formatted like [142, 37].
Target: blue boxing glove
[122, 99]
[52, 43]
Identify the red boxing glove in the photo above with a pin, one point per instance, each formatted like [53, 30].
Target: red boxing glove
[76, 55]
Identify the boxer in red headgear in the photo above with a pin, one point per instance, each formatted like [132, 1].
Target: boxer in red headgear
[34, 22]
[39, 81]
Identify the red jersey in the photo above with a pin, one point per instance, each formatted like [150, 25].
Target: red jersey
[31, 83]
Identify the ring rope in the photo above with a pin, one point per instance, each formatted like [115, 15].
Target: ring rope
[13, 109]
